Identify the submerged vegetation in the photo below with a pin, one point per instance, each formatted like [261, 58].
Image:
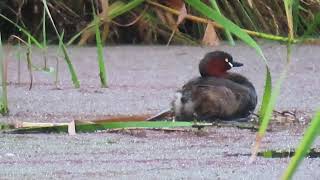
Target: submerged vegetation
[146, 22]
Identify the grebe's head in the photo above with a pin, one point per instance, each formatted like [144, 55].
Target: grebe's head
[217, 63]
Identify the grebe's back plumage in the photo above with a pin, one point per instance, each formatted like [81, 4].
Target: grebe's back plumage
[216, 94]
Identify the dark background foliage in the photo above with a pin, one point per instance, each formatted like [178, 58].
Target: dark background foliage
[148, 24]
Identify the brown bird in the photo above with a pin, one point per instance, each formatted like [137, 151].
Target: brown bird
[217, 94]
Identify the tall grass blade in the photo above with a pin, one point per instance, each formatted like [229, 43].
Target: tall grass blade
[60, 43]
[102, 71]
[45, 6]
[310, 135]
[266, 94]
[29, 62]
[72, 71]
[18, 55]
[74, 77]
[44, 39]
[268, 105]
[44, 34]
[270, 96]
[228, 34]
[272, 101]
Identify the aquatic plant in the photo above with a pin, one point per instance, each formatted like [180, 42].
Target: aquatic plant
[102, 71]
[72, 71]
[32, 39]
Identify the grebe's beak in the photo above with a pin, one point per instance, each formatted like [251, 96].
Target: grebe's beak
[236, 64]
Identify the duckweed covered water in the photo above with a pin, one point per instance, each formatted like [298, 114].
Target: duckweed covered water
[283, 153]
[313, 153]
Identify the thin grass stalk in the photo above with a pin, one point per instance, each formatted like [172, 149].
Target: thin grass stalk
[19, 62]
[274, 24]
[29, 62]
[44, 39]
[244, 17]
[275, 5]
[4, 97]
[102, 71]
[267, 112]
[39, 45]
[44, 34]
[266, 95]
[288, 9]
[231, 13]
[72, 71]
[74, 77]
[268, 104]
[28, 55]
[56, 82]
[249, 10]
[264, 25]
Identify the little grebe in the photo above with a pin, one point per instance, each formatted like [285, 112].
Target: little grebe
[216, 94]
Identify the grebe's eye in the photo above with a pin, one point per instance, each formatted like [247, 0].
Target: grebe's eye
[227, 61]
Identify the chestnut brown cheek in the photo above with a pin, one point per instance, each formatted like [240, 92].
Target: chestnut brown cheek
[215, 71]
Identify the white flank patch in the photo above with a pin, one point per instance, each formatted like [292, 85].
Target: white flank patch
[177, 104]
